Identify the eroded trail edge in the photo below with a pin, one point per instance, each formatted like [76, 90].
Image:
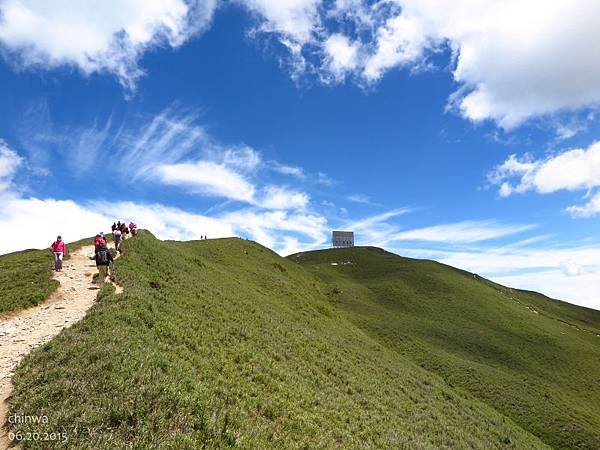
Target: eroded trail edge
[25, 330]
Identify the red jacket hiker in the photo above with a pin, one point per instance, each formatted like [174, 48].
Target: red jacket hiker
[99, 241]
[59, 246]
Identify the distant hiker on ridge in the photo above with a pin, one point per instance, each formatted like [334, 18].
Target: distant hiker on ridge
[113, 227]
[103, 260]
[59, 250]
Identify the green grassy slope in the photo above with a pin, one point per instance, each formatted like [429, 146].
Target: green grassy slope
[223, 343]
[534, 359]
[26, 277]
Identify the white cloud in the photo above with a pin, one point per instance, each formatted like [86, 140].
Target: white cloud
[275, 229]
[9, 163]
[208, 178]
[226, 180]
[513, 60]
[39, 221]
[573, 268]
[294, 19]
[97, 36]
[591, 208]
[268, 227]
[461, 232]
[400, 41]
[570, 170]
[341, 55]
[278, 197]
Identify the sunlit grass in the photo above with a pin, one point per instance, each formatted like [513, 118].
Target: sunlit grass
[222, 343]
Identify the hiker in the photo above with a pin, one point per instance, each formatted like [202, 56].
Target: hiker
[133, 228]
[99, 241]
[117, 239]
[59, 250]
[103, 260]
[113, 227]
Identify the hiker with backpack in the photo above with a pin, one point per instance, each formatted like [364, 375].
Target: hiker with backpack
[59, 250]
[123, 228]
[99, 240]
[103, 260]
[117, 239]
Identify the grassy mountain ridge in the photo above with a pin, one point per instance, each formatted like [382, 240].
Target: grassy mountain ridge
[534, 359]
[223, 343]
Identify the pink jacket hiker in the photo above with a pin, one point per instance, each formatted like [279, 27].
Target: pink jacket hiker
[58, 246]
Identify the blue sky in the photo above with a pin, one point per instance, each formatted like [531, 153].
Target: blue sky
[465, 134]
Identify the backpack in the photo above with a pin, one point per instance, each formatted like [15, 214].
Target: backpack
[102, 258]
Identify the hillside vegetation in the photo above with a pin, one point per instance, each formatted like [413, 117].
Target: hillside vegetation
[26, 277]
[223, 343]
[534, 359]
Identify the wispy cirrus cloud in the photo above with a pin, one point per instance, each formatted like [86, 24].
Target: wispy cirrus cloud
[169, 149]
[286, 169]
[462, 232]
[172, 148]
[361, 198]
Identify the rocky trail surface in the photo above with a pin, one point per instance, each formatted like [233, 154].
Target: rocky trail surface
[22, 331]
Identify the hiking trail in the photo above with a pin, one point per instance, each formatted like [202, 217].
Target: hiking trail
[23, 331]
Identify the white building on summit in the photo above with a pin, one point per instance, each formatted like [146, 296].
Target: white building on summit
[341, 239]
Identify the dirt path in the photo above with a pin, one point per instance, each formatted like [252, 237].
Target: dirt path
[23, 331]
